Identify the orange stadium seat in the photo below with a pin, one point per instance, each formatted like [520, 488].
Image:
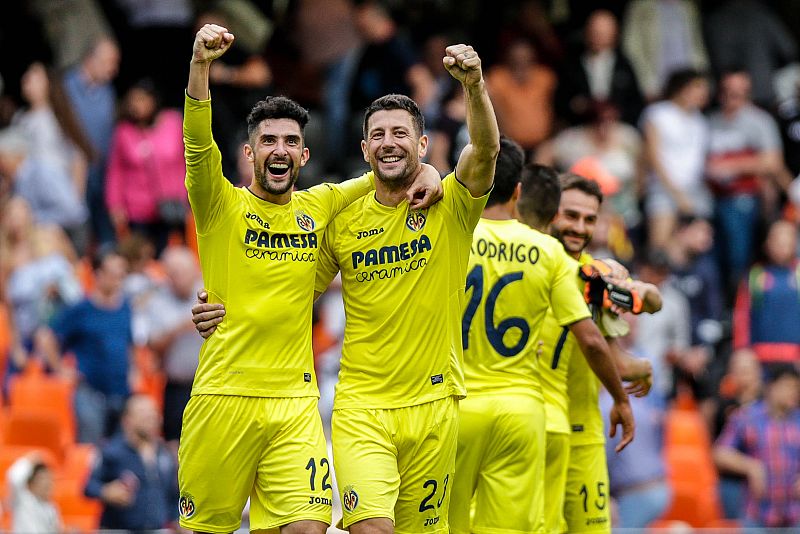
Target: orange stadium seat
[45, 392]
[77, 511]
[36, 427]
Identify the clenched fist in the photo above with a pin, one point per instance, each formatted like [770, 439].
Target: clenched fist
[210, 43]
[463, 64]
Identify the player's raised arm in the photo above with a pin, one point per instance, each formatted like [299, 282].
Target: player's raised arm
[475, 167]
[210, 43]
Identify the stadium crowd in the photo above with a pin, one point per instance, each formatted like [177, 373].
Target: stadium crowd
[687, 114]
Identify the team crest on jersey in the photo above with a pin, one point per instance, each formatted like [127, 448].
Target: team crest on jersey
[415, 220]
[305, 221]
[349, 499]
[186, 507]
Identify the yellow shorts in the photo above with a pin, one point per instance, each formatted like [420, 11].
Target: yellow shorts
[499, 465]
[587, 504]
[555, 481]
[269, 449]
[397, 463]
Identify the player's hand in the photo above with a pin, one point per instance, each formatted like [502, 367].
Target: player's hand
[210, 43]
[206, 316]
[621, 414]
[463, 64]
[639, 387]
[427, 188]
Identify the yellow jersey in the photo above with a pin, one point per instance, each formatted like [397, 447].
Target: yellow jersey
[515, 275]
[403, 276]
[259, 260]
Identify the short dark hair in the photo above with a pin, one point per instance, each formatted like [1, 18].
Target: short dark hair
[778, 371]
[507, 171]
[569, 180]
[276, 107]
[679, 79]
[102, 254]
[395, 101]
[541, 194]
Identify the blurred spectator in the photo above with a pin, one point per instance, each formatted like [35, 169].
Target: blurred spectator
[762, 443]
[48, 190]
[745, 156]
[660, 37]
[740, 387]
[54, 134]
[676, 140]
[601, 72]
[613, 146]
[522, 95]
[50, 125]
[59, 20]
[98, 332]
[166, 22]
[637, 474]
[531, 22]
[443, 84]
[171, 333]
[449, 134]
[237, 81]
[38, 279]
[388, 63]
[88, 85]
[747, 35]
[697, 276]
[136, 477]
[767, 311]
[146, 168]
[32, 510]
[664, 337]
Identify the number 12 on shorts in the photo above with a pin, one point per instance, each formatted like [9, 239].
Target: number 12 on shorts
[312, 466]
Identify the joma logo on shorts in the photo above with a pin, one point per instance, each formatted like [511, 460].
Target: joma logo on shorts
[431, 521]
[319, 500]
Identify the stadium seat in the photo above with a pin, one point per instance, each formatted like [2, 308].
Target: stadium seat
[45, 392]
[686, 428]
[36, 427]
[77, 511]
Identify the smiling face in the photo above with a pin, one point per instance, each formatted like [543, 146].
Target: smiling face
[393, 148]
[577, 217]
[276, 151]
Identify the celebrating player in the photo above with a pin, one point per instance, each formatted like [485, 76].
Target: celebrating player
[575, 466]
[251, 428]
[516, 274]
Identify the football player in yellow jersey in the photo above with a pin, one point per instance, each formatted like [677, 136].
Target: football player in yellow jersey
[251, 428]
[576, 475]
[403, 276]
[516, 274]
[395, 417]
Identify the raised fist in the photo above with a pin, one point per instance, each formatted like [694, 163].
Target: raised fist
[211, 42]
[463, 64]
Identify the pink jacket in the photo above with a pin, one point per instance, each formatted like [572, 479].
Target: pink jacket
[145, 166]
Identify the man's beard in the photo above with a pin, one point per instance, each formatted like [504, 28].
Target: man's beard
[555, 232]
[399, 179]
[262, 178]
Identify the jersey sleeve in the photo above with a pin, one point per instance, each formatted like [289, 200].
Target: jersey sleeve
[210, 193]
[465, 208]
[327, 265]
[566, 300]
[333, 198]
